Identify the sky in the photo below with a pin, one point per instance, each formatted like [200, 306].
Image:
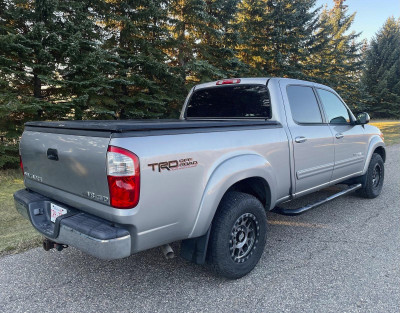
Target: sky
[371, 14]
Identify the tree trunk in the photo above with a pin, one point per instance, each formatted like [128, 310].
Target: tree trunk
[37, 92]
[37, 87]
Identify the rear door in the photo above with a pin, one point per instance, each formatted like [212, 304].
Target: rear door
[312, 139]
[351, 143]
[71, 163]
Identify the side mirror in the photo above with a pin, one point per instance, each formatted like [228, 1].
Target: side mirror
[362, 118]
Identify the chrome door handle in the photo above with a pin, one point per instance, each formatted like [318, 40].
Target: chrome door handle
[300, 139]
[339, 136]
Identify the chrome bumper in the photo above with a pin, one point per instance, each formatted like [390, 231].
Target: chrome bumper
[83, 231]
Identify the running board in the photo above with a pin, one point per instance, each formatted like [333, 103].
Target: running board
[299, 211]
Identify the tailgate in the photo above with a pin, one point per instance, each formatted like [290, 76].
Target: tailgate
[72, 163]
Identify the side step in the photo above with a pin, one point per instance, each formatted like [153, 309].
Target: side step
[299, 211]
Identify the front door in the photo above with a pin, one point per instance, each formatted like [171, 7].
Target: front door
[350, 140]
[312, 140]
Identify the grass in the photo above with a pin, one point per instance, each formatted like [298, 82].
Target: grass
[17, 234]
[390, 130]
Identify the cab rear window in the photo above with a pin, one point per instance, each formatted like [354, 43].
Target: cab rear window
[240, 101]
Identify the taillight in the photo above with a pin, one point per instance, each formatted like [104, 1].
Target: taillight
[21, 165]
[228, 81]
[123, 175]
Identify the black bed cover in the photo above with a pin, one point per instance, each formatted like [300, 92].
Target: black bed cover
[121, 126]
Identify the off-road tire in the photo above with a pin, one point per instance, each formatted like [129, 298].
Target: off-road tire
[373, 180]
[240, 219]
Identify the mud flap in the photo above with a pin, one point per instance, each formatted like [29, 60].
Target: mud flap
[195, 249]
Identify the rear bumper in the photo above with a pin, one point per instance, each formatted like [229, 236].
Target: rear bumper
[83, 231]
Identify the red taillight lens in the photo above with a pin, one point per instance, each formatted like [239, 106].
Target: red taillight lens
[123, 175]
[21, 165]
[228, 81]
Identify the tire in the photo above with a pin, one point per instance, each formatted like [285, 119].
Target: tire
[238, 235]
[373, 180]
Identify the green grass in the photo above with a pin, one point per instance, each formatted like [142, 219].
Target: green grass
[390, 130]
[16, 233]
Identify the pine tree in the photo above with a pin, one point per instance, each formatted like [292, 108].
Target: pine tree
[381, 76]
[337, 63]
[83, 66]
[252, 49]
[216, 39]
[144, 82]
[204, 40]
[291, 36]
[51, 64]
[277, 36]
[27, 65]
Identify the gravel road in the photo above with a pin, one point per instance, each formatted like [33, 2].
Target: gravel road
[341, 257]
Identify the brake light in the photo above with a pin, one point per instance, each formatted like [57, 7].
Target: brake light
[21, 165]
[228, 81]
[123, 175]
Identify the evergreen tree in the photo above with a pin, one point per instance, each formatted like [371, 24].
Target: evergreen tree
[290, 36]
[252, 20]
[381, 76]
[337, 63]
[216, 40]
[84, 66]
[277, 36]
[51, 65]
[144, 81]
[27, 64]
[204, 38]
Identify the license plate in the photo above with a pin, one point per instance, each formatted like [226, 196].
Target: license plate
[56, 211]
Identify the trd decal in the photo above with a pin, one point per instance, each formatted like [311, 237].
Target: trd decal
[173, 165]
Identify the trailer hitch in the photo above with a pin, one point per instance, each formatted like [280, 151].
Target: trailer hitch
[48, 245]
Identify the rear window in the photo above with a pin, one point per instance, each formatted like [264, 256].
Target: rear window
[240, 101]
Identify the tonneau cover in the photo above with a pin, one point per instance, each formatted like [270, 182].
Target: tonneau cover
[120, 126]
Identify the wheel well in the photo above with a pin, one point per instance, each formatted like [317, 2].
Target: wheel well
[256, 186]
[381, 151]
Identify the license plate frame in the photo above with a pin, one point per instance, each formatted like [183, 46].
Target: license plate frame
[56, 211]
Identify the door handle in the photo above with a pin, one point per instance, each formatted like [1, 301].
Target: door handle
[300, 139]
[339, 136]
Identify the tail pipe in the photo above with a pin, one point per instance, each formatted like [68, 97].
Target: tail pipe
[167, 251]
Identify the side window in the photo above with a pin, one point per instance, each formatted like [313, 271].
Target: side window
[304, 105]
[334, 108]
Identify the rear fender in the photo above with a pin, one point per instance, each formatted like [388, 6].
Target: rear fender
[226, 174]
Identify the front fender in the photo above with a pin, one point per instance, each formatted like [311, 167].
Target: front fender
[226, 174]
[374, 143]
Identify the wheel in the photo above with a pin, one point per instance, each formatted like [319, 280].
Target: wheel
[373, 180]
[238, 235]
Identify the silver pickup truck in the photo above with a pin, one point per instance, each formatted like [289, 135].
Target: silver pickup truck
[240, 148]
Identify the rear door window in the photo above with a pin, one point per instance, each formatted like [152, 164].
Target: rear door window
[304, 105]
[240, 101]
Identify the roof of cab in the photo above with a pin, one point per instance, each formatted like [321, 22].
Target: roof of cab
[258, 81]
